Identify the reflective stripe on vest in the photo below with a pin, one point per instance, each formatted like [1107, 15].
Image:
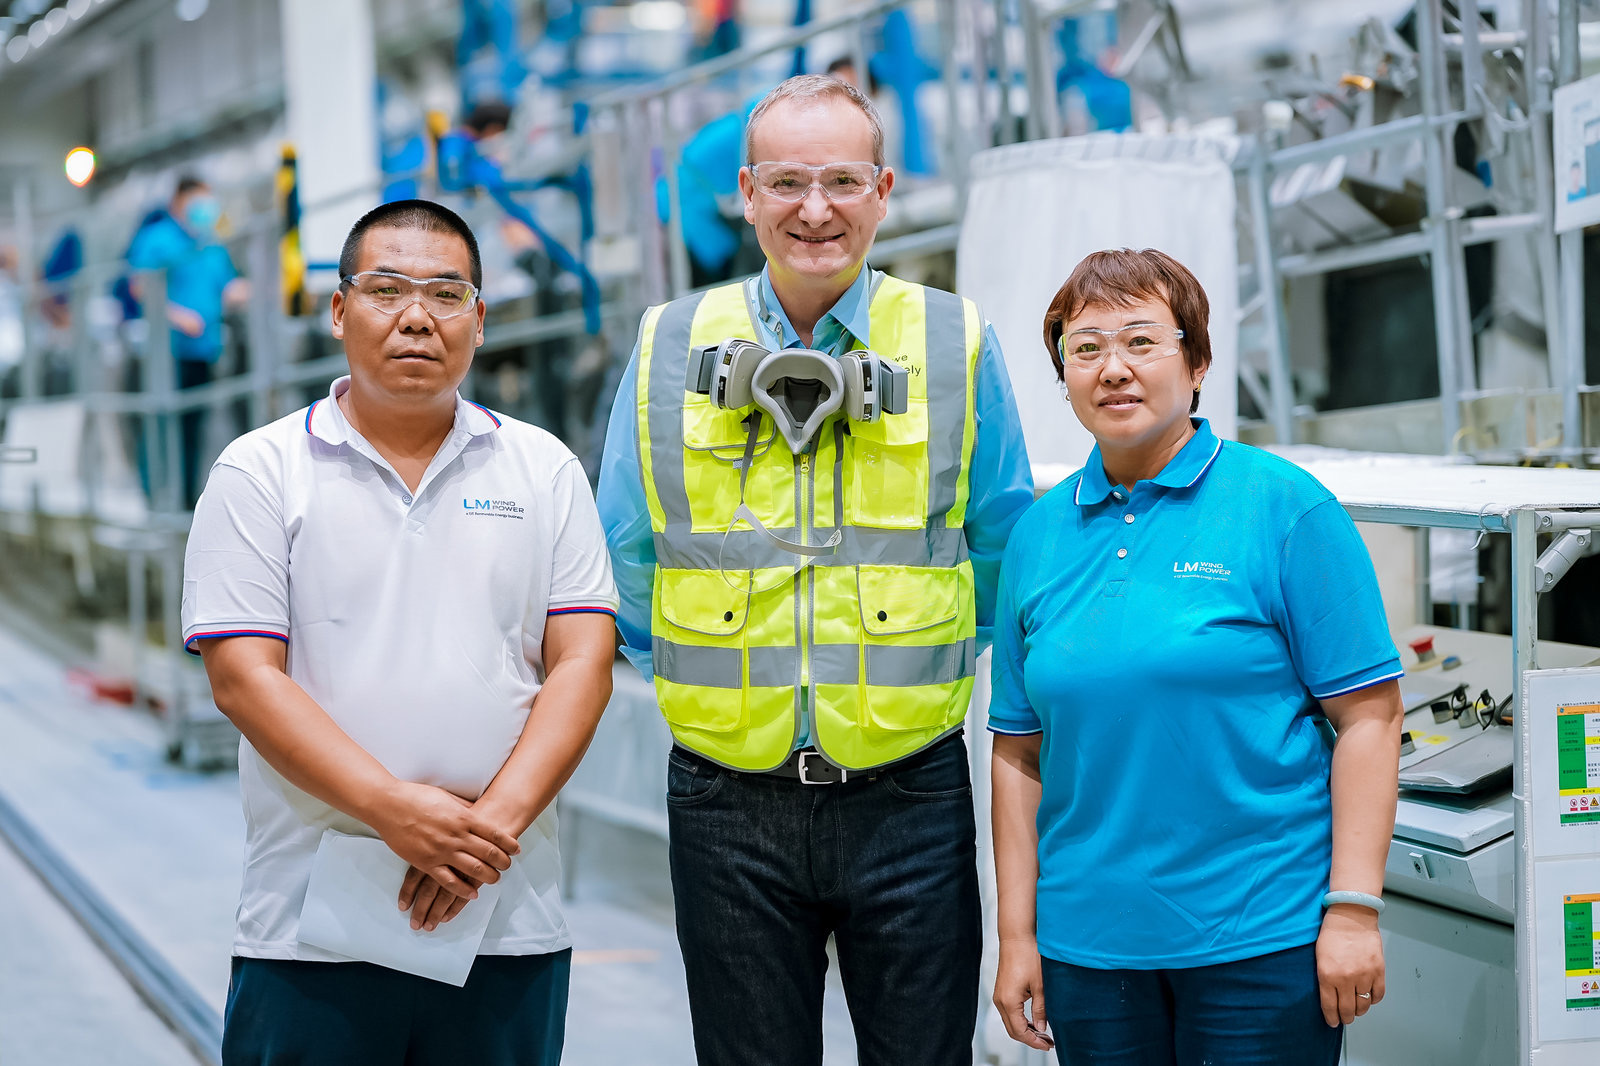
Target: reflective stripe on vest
[875, 641]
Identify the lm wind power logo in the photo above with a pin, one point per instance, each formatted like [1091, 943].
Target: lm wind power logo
[492, 508]
[1197, 568]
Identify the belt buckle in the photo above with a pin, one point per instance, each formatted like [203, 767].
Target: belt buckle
[804, 780]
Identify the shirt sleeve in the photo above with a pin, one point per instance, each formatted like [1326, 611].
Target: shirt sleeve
[1332, 610]
[153, 248]
[625, 518]
[580, 572]
[1009, 710]
[1000, 480]
[236, 563]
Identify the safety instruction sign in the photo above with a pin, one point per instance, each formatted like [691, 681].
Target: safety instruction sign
[1580, 922]
[1578, 762]
[1561, 711]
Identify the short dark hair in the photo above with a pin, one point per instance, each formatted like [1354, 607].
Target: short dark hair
[409, 214]
[187, 184]
[1120, 277]
[488, 113]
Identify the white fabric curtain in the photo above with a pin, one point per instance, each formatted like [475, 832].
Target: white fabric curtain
[1036, 209]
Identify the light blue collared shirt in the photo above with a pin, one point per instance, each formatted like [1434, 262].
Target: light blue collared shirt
[1000, 479]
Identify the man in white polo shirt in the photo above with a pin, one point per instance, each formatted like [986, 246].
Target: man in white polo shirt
[404, 603]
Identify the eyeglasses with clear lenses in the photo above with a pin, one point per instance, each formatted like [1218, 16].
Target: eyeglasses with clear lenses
[1135, 345]
[393, 293]
[792, 182]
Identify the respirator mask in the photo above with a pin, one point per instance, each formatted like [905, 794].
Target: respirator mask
[801, 390]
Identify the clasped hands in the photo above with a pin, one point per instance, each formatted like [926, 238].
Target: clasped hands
[453, 845]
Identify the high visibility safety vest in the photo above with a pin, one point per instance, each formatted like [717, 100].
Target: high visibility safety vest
[875, 641]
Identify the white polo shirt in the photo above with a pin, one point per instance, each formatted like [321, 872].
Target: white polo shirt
[416, 621]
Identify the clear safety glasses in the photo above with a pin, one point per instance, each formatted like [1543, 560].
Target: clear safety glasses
[393, 293]
[792, 182]
[1135, 345]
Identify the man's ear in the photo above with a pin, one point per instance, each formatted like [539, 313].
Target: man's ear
[336, 309]
[885, 183]
[747, 189]
[483, 309]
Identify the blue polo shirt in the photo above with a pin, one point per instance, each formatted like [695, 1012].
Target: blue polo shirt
[1171, 643]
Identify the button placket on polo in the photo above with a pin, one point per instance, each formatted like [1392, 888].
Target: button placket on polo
[1126, 544]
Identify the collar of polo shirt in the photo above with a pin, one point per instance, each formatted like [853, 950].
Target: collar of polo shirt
[326, 422]
[1183, 470]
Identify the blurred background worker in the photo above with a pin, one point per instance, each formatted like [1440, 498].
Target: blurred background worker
[201, 281]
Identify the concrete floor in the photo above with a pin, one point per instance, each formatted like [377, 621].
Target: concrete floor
[61, 1000]
[164, 846]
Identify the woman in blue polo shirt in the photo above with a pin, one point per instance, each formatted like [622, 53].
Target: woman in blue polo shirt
[1188, 871]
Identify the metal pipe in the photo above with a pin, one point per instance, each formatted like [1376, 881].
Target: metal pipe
[1006, 129]
[1367, 137]
[1472, 231]
[712, 69]
[1043, 120]
[1270, 288]
[1558, 521]
[652, 249]
[262, 315]
[27, 277]
[1422, 562]
[677, 252]
[954, 164]
[1471, 57]
[1524, 657]
[1490, 40]
[1438, 228]
[1539, 78]
[1573, 374]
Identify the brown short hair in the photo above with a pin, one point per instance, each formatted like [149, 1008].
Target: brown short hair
[806, 87]
[1118, 277]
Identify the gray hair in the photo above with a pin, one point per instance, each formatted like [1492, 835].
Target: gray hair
[807, 87]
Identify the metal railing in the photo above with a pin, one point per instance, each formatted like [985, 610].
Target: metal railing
[1445, 231]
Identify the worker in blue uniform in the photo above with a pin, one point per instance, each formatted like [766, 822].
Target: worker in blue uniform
[201, 284]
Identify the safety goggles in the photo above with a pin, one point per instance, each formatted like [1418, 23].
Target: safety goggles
[393, 293]
[1484, 711]
[793, 182]
[1135, 345]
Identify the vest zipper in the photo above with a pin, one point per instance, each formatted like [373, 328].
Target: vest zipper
[805, 499]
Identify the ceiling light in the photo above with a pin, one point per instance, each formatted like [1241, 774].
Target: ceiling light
[80, 166]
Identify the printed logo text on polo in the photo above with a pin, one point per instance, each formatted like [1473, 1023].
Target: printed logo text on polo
[496, 508]
[1209, 571]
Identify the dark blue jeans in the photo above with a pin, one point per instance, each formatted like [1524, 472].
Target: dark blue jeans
[764, 868]
[511, 1012]
[1263, 1011]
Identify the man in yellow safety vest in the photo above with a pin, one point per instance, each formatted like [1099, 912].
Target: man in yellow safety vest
[806, 532]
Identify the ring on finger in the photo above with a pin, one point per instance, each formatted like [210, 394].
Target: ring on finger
[1363, 995]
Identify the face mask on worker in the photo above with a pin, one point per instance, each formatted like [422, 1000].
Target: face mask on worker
[201, 214]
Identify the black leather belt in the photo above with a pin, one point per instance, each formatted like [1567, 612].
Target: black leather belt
[808, 767]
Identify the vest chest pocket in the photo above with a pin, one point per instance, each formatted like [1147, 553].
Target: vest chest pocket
[713, 441]
[886, 470]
